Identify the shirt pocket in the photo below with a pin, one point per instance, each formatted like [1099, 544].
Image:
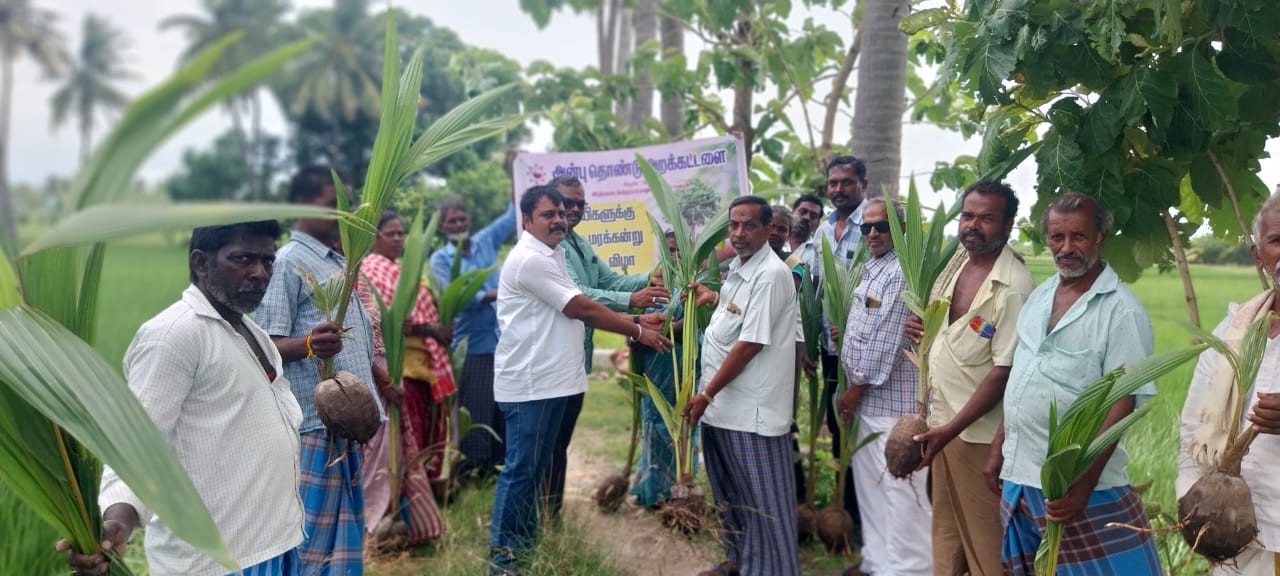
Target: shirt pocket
[1072, 370]
[968, 348]
[725, 329]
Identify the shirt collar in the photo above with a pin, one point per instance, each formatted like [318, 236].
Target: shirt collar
[320, 248]
[200, 303]
[748, 268]
[855, 217]
[539, 246]
[1003, 270]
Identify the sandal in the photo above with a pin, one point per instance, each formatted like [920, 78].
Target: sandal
[723, 569]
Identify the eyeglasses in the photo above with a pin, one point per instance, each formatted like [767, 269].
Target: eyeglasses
[881, 227]
[574, 204]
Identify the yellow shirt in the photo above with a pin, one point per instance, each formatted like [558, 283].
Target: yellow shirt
[981, 339]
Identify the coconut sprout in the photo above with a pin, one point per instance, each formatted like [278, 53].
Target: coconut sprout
[923, 253]
[612, 490]
[1218, 518]
[684, 511]
[811, 323]
[1076, 439]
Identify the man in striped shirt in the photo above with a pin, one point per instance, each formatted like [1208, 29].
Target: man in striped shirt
[882, 388]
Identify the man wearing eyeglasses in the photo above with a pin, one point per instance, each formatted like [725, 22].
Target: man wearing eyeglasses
[841, 229]
[598, 282]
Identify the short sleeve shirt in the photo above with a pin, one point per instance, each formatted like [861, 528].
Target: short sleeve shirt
[1105, 328]
[874, 350]
[984, 337]
[539, 354]
[757, 304]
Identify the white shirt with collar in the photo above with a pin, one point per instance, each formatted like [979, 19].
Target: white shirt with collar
[757, 304]
[233, 431]
[539, 354]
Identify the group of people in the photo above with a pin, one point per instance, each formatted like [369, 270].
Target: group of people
[229, 373]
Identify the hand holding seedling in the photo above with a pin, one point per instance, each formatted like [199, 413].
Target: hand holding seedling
[702, 295]
[914, 329]
[654, 339]
[1065, 509]
[653, 322]
[1266, 413]
[650, 297]
[117, 524]
[326, 339]
[934, 440]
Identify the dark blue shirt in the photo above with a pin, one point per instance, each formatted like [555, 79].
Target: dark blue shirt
[478, 321]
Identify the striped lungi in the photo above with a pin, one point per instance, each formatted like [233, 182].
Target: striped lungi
[754, 489]
[480, 450]
[333, 506]
[1089, 547]
[286, 564]
[430, 423]
[417, 505]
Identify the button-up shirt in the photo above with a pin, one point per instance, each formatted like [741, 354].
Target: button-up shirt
[1262, 462]
[538, 355]
[478, 321]
[981, 339]
[1105, 328]
[286, 310]
[875, 347]
[842, 248]
[757, 304]
[598, 282]
[234, 432]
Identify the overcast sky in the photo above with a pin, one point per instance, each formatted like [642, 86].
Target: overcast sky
[39, 151]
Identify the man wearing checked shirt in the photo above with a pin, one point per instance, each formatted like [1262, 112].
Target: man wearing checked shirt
[882, 389]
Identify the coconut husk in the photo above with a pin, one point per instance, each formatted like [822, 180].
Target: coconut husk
[835, 528]
[1218, 516]
[685, 510]
[806, 521]
[902, 454]
[390, 535]
[611, 492]
[347, 408]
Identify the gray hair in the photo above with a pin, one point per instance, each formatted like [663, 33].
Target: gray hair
[1271, 205]
[781, 209]
[450, 203]
[897, 208]
[1072, 202]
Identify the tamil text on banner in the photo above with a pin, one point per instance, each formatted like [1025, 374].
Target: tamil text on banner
[706, 174]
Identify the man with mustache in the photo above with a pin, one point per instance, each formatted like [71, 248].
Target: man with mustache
[477, 324]
[969, 362]
[1077, 326]
[746, 396]
[598, 282]
[881, 389]
[1211, 399]
[214, 385]
[841, 229]
[538, 365]
[806, 214]
[330, 486]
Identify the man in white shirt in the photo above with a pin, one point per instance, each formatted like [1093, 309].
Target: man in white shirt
[746, 399]
[214, 385]
[540, 312]
[1211, 397]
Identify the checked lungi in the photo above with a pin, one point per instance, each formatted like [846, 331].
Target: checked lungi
[754, 488]
[286, 564]
[333, 506]
[1089, 546]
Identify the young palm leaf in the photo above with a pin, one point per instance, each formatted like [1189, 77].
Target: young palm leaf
[1076, 439]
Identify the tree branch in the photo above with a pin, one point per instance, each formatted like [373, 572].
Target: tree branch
[1184, 270]
[1235, 205]
[709, 109]
[833, 101]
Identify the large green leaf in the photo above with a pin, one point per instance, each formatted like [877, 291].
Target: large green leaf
[1211, 97]
[113, 221]
[62, 378]
[1061, 163]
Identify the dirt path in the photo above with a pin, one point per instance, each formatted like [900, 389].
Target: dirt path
[634, 537]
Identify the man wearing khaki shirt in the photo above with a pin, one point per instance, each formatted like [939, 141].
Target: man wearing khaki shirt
[968, 368]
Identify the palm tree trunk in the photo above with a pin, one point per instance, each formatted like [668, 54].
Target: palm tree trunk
[672, 104]
[880, 100]
[645, 21]
[622, 54]
[242, 142]
[260, 162]
[7, 216]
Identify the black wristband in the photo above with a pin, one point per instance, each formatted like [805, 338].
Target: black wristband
[635, 318]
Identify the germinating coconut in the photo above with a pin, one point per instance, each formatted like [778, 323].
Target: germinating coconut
[347, 408]
[902, 454]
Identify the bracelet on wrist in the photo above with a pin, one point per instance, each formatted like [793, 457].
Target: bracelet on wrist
[311, 353]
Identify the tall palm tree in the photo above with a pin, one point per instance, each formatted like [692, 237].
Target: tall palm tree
[88, 86]
[645, 22]
[672, 38]
[880, 99]
[25, 30]
[261, 23]
[338, 80]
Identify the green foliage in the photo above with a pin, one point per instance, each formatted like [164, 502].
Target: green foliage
[1125, 101]
[220, 172]
[1076, 438]
[1209, 250]
[25, 540]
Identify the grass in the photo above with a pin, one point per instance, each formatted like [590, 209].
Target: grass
[145, 275]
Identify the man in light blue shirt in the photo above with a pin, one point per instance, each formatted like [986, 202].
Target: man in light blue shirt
[477, 323]
[1075, 327]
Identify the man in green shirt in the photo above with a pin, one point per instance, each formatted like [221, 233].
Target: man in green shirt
[600, 283]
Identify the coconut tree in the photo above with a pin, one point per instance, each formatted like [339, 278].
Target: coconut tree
[645, 23]
[30, 31]
[260, 22]
[880, 98]
[88, 88]
[671, 33]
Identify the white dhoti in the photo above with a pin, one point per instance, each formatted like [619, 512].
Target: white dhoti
[896, 515]
[1252, 562]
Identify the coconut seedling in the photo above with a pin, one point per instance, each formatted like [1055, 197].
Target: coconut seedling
[1076, 437]
[612, 490]
[833, 523]
[687, 506]
[397, 155]
[1218, 518]
[923, 253]
[811, 323]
